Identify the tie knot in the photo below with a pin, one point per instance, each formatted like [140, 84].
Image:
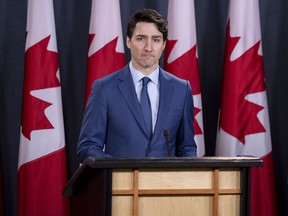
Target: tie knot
[145, 81]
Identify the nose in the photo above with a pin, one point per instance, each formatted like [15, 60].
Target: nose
[148, 45]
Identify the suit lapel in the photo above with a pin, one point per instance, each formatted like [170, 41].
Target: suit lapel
[166, 93]
[126, 87]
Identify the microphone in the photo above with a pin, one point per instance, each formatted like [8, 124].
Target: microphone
[166, 135]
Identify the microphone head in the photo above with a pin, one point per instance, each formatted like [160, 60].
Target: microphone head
[166, 132]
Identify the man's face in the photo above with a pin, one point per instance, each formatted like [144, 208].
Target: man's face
[146, 46]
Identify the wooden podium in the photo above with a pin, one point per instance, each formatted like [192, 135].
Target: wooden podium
[162, 186]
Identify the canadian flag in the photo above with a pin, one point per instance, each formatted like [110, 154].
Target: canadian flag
[106, 50]
[42, 157]
[244, 127]
[180, 58]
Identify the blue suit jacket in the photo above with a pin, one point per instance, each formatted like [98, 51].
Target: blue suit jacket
[113, 119]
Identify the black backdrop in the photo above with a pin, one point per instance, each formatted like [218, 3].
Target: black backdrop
[72, 24]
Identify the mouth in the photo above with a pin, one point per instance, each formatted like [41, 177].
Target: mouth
[148, 56]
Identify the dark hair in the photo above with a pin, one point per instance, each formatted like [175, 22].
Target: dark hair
[150, 16]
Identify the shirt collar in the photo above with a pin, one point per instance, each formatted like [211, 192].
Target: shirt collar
[137, 75]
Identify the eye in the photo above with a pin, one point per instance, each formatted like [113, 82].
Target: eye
[157, 39]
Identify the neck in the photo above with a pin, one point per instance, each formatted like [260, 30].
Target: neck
[145, 70]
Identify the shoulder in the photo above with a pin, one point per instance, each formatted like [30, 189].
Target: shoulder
[172, 78]
[111, 78]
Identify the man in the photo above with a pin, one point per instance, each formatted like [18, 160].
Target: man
[117, 124]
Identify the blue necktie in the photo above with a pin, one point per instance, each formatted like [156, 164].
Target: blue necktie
[146, 106]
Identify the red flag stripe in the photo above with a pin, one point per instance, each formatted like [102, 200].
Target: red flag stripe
[36, 179]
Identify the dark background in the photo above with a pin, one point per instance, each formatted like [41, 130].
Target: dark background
[72, 25]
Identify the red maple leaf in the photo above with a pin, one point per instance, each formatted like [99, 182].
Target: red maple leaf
[41, 66]
[185, 67]
[103, 62]
[197, 129]
[241, 77]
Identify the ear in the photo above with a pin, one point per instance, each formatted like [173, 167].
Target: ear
[128, 42]
[164, 45]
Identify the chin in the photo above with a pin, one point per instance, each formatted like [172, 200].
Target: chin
[148, 64]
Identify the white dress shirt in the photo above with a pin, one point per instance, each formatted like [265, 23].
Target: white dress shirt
[152, 88]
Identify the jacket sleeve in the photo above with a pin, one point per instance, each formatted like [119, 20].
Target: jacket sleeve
[93, 130]
[186, 146]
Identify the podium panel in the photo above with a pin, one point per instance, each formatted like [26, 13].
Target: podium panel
[189, 191]
[208, 186]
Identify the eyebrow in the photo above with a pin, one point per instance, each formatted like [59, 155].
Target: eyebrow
[153, 36]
